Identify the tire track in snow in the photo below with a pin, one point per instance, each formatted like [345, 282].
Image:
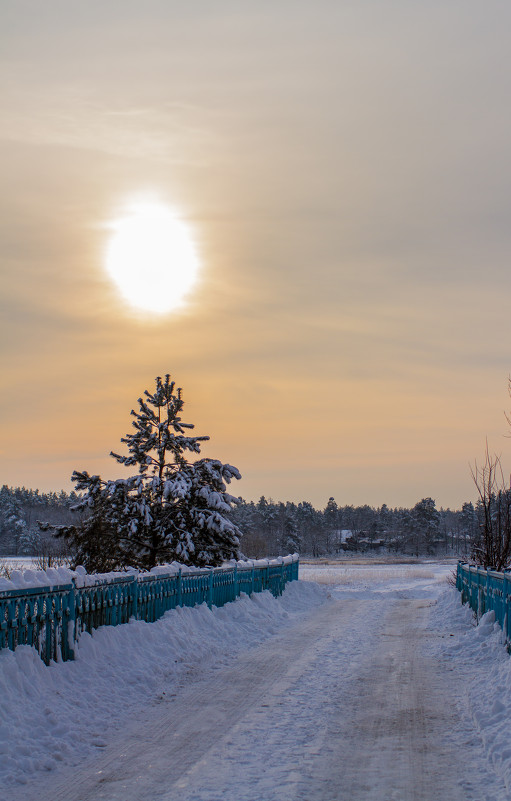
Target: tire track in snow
[393, 728]
[401, 736]
[168, 741]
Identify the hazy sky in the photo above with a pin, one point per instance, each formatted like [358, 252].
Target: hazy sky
[344, 168]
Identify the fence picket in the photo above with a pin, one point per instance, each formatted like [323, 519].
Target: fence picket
[492, 594]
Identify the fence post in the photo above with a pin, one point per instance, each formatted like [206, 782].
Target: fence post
[465, 583]
[48, 631]
[478, 611]
[487, 604]
[134, 597]
[210, 589]
[252, 580]
[179, 589]
[11, 640]
[505, 615]
[70, 633]
[236, 582]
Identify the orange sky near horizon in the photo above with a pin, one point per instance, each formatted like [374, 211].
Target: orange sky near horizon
[344, 172]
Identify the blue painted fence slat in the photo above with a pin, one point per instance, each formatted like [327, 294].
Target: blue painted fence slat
[51, 619]
[485, 590]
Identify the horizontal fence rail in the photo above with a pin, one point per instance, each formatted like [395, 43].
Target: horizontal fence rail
[51, 619]
[485, 590]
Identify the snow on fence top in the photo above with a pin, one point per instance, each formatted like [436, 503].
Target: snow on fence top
[55, 576]
[49, 609]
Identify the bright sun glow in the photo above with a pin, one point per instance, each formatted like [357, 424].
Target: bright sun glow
[152, 258]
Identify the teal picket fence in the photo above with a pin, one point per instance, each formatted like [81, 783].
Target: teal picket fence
[486, 589]
[51, 619]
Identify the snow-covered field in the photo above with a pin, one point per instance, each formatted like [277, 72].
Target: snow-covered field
[361, 682]
[17, 562]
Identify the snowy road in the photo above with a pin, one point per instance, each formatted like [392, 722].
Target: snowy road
[354, 700]
[393, 727]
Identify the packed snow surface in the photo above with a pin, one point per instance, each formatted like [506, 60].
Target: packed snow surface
[362, 682]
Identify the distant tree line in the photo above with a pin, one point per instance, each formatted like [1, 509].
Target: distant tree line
[271, 528]
[21, 508]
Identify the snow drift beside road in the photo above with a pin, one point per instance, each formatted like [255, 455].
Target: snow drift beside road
[478, 654]
[62, 713]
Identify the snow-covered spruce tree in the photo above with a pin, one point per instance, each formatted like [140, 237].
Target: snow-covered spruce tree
[172, 509]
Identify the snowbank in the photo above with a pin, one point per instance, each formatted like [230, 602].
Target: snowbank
[62, 713]
[479, 653]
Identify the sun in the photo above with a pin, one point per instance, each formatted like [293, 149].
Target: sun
[152, 258]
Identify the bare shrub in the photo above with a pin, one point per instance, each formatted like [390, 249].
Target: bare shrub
[8, 566]
[492, 546]
[452, 578]
[52, 554]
